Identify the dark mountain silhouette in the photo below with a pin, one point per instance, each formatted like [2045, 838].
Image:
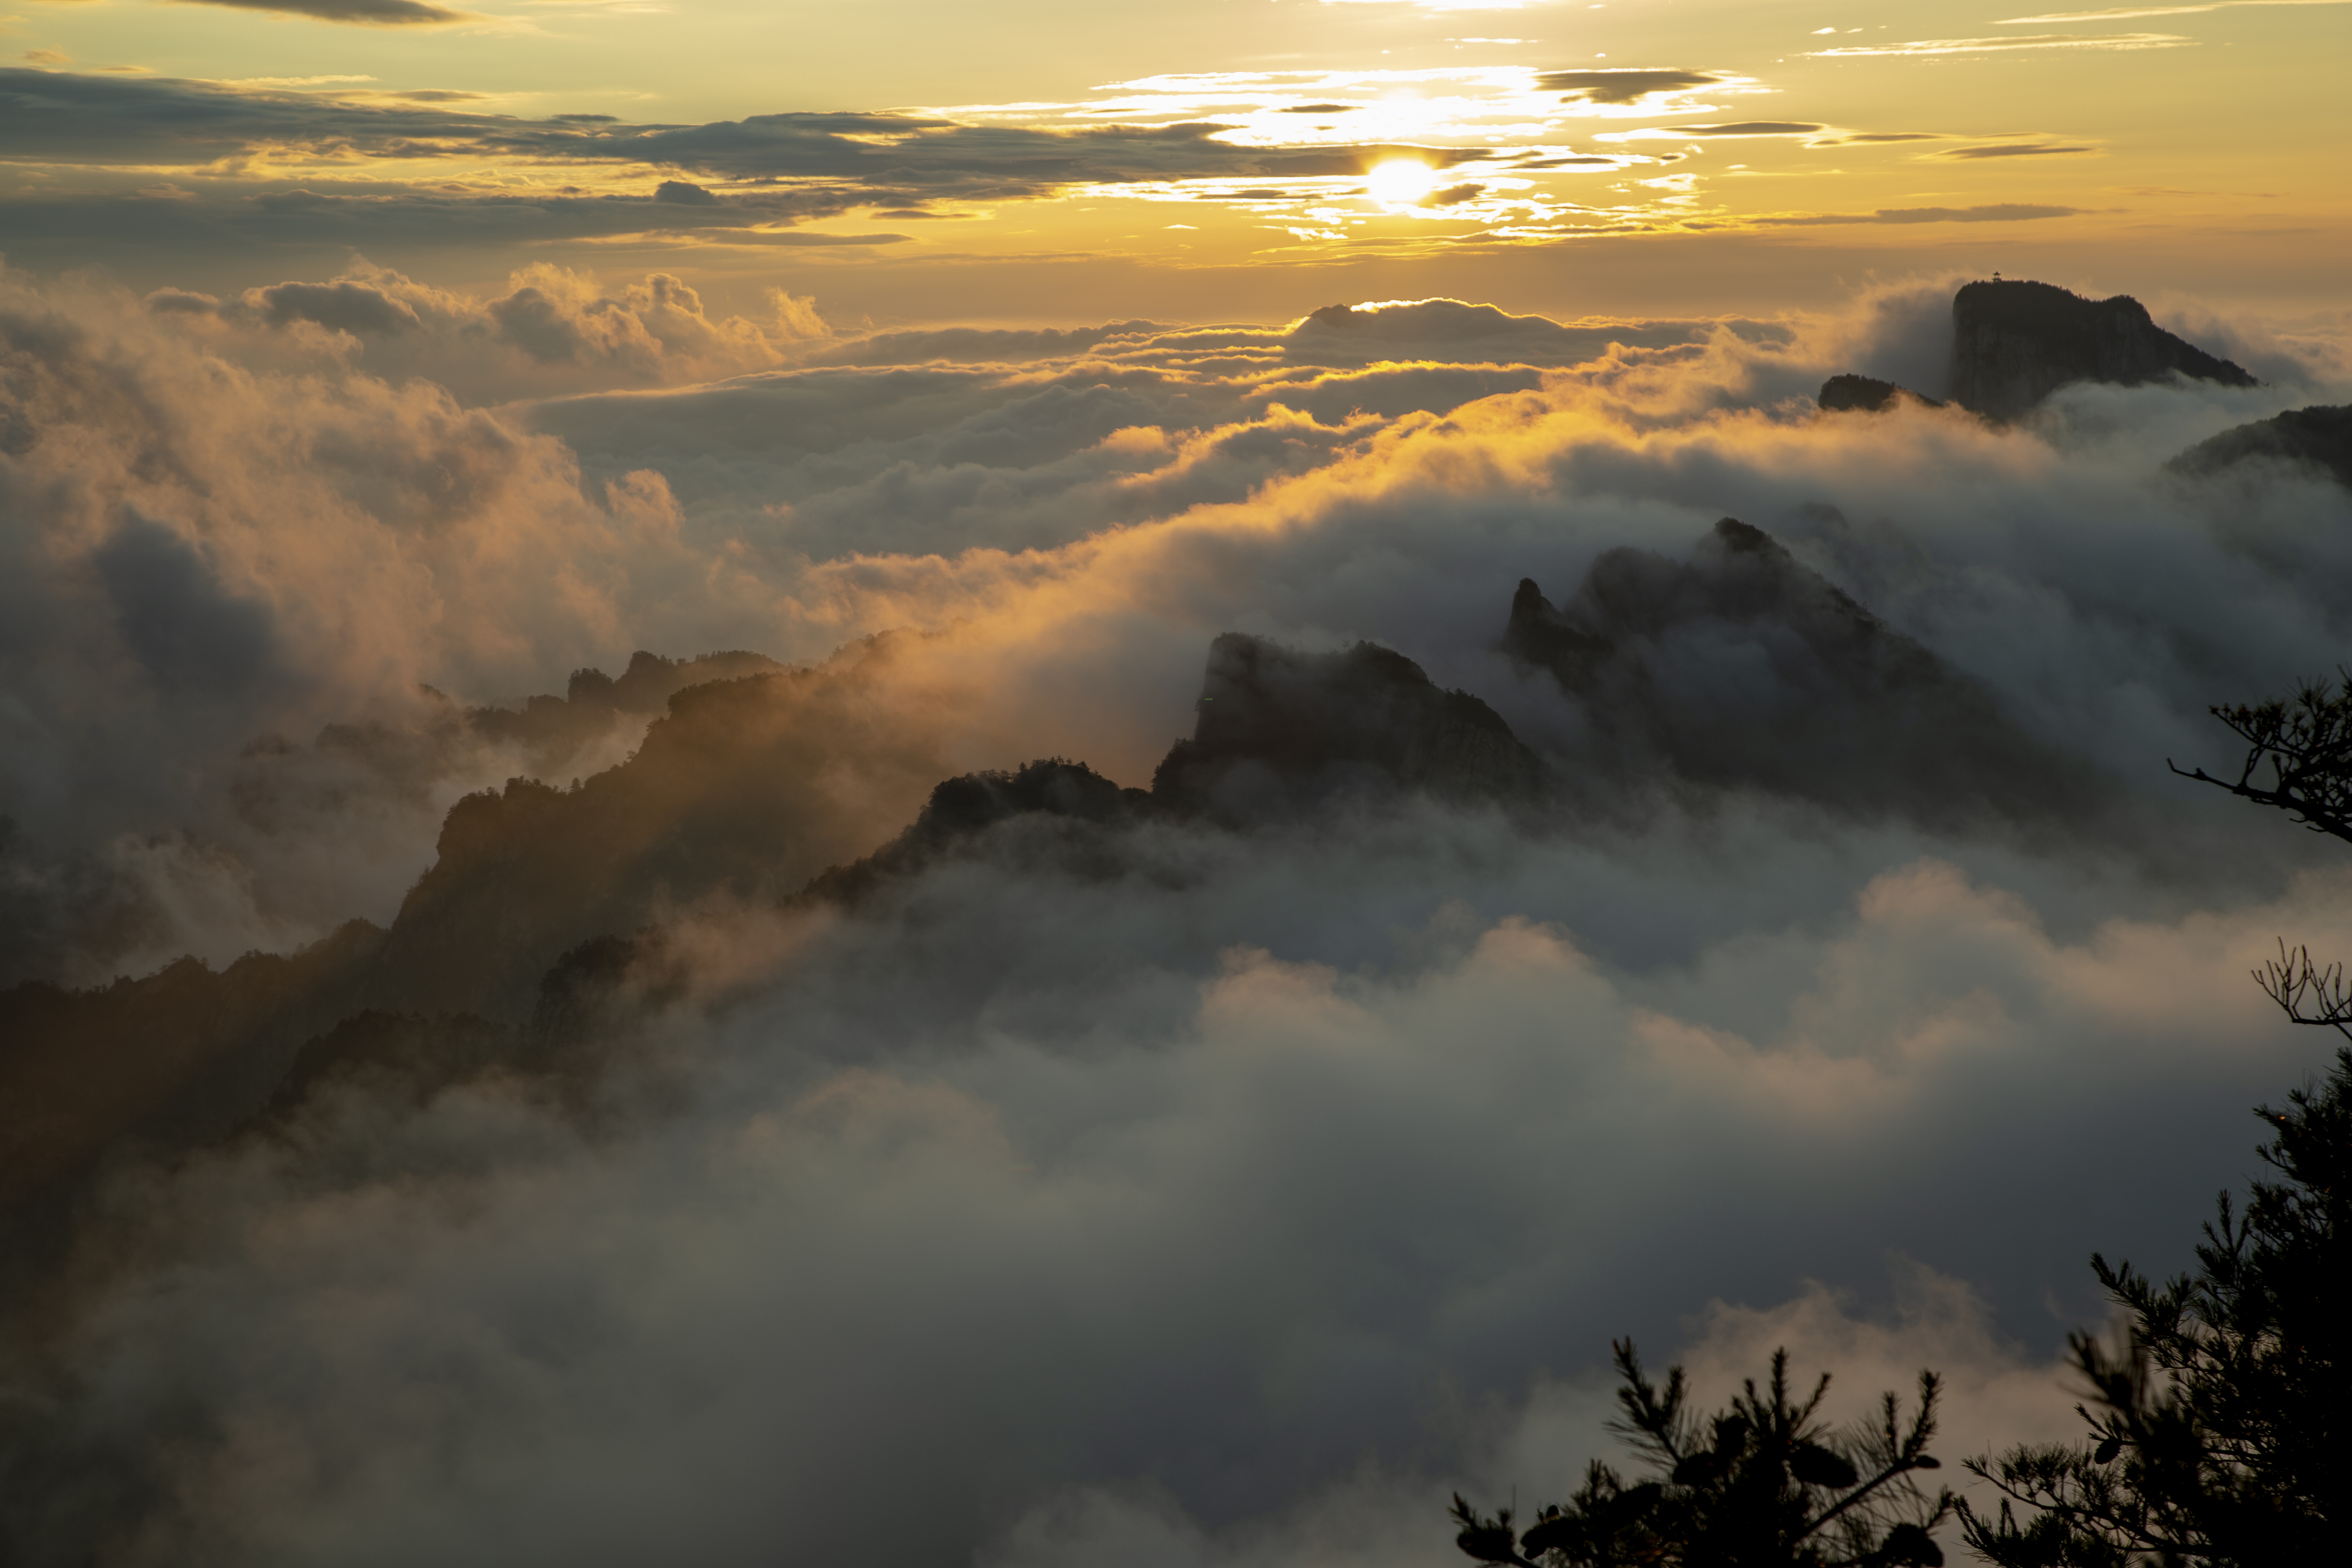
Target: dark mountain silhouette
[744, 790]
[69, 915]
[549, 733]
[1865, 394]
[722, 798]
[2319, 436]
[553, 728]
[962, 808]
[1049, 813]
[545, 921]
[181, 1054]
[1280, 730]
[1742, 667]
[2014, 343]
[392, 1056]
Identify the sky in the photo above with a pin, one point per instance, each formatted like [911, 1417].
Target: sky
[1212, 1188]
[1005, 162]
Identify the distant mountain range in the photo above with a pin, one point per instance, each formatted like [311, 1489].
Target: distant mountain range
[545, 921]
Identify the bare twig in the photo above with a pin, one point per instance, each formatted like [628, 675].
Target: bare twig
[2305, 992]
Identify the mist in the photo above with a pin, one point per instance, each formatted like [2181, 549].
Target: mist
[723, 1142]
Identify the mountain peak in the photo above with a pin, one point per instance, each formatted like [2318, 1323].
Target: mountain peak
[1279, 729]
[2015, 341]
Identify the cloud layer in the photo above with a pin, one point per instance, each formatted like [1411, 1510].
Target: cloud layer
[1155, 1188]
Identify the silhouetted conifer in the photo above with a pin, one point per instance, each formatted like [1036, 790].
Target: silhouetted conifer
[1763, 1484]
[2222, 1430]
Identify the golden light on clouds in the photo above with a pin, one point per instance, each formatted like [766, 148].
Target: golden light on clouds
[1330, 134]
[1693, 657]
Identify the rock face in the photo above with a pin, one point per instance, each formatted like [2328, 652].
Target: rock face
[1865, 394]
[744, 790]
[1742, 667]
[1280, 730]
[2319, 435]
[2015, 342]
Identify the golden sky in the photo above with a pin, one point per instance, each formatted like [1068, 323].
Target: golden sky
[913, 160]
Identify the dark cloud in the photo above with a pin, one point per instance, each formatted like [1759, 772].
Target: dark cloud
[412, 95]
[378, 216]
[194, 637]
[343, 307]
[1626, 85]
[786, 168]
[681, 194]
[359, 12]
[537, 325]
[1320, 109]
[2012, 150]
[57, 116]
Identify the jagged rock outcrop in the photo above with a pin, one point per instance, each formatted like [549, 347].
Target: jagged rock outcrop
[2014, 343]
[1741, 667]
[2319, 436]
[1280, 730]
[1865, 394]
[742, 791]
[553, 728]
[719, 798]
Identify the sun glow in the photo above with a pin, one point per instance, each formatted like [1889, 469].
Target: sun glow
[1400, 182]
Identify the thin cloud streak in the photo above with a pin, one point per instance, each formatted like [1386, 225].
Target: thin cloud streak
[2119, 42]
[354, 13]
[2122, 13]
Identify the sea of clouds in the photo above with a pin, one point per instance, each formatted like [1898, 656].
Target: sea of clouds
[1228, 1200]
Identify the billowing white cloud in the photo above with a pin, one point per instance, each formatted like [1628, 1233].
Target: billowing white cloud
[1172, 1190]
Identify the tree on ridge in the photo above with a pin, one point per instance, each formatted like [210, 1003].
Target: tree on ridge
[2222, 1427]
[1763, 1484]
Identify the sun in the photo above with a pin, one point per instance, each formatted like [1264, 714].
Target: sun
[1400, 182]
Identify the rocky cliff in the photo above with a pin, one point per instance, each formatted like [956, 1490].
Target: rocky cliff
[1280, 730]
[2015, 342]
[1741, 667]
